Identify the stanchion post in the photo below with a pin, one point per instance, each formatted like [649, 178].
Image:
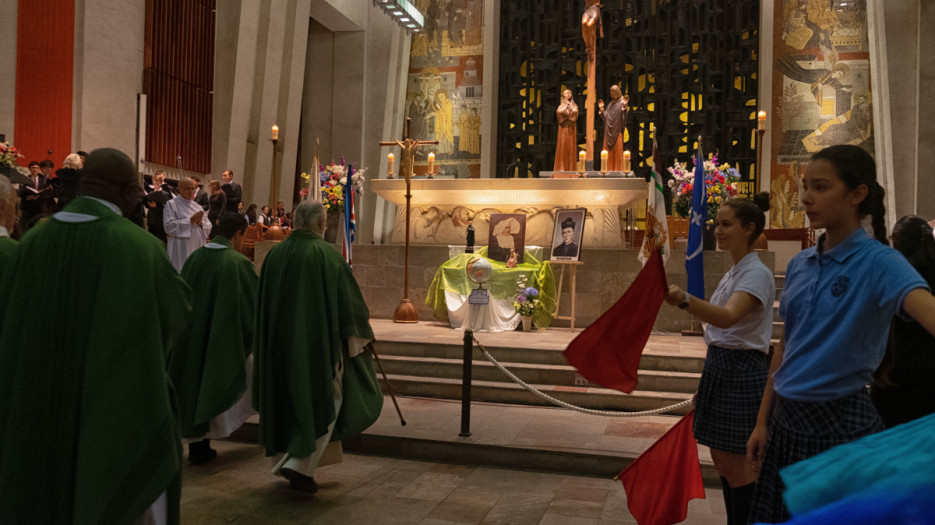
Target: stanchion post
[466, 384]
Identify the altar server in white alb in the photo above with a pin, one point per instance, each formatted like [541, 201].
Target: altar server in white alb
[186, 224]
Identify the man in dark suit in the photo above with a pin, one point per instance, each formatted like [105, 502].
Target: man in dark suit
[36, 197]
[567, 248]
[157, 195]
[201, 196]
[233, 190]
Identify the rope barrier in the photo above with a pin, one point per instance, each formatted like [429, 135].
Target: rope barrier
[559, 402]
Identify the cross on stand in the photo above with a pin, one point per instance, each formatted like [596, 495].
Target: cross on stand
[405, 312]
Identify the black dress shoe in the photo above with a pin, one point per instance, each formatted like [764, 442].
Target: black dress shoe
[299, 482]
[200, 452]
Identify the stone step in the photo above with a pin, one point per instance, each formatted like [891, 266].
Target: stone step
[483, 370]
[593, 398]
[542, 356]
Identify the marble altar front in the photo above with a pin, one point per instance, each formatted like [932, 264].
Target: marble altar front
[441, 208]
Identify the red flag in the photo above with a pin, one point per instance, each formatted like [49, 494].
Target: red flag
[663, 479]
[608, 352]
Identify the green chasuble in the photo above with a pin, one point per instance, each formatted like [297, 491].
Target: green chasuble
[6, 251]
[88, 433]
[309, 305]
[207, 363]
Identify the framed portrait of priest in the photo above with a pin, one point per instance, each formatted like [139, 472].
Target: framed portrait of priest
[507, 232]
[566, 239]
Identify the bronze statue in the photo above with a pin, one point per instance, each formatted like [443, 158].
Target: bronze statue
[615, 121]
[567, 144]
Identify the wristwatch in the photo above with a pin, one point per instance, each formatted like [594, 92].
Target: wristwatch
[684, 304]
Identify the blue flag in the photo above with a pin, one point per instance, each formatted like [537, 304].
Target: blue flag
[694, 260]
[349, 225]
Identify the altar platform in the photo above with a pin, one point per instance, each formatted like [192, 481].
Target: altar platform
[440, 208]
[602, 279]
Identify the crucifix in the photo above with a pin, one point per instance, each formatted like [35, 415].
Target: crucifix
[405, 312]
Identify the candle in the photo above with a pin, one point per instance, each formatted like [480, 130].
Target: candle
[275, 132]
[626, 161]
[604, 160]
[761, 121]
[581, 156]
[389, 163]
[431, 169]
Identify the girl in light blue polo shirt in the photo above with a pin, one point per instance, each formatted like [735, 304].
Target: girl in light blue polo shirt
[837, 304]
[739, 324]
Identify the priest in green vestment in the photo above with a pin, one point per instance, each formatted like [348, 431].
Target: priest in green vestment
[91, 304]
[9, 209]
[211, 364]
[314, 380]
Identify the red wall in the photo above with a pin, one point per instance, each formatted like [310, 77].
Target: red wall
[45, 46]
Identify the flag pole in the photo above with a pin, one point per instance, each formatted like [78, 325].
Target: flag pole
[389, 389]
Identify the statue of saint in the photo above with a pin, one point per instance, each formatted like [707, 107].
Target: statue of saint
[511, 261]
[615, 121]
[470, 238]
[566, 146]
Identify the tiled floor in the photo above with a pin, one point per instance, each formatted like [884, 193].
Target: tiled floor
[238, 488]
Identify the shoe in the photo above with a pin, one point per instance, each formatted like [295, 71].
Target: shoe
[204, 457]
[201, 452]
[299, 482]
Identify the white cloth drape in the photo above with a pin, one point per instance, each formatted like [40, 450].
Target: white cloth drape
[498, 315]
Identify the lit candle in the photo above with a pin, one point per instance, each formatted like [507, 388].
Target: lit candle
[275, 132]
[626, 161]
[581, 156]
[761, 121]
[389, 163]
[603, 160]
[431, 169]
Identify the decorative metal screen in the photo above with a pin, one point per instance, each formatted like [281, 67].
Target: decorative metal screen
[689, 67]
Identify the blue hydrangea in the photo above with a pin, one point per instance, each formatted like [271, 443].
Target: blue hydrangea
[531, 292]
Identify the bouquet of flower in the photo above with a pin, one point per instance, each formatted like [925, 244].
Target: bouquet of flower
[333, 177]
[527, 301]
[720, 185]
[8, 155]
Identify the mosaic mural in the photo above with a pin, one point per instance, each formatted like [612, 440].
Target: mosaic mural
[821, 92]
[443, 95]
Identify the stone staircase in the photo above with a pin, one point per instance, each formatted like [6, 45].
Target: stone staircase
[435, 370]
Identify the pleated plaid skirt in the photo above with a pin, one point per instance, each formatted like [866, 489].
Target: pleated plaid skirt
[799, 430]
[729, 395]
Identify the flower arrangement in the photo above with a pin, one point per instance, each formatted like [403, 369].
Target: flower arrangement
[8, 155]
[720, 185]
[527, 301]
[333, 177]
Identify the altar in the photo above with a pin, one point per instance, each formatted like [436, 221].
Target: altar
[448, 294]
[441, 208]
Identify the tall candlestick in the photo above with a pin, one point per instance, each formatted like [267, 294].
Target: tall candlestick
[626, 161]
[389, 163]
[761, 121]
[604, 160]
[275, 132]
[431, 169]
[581, 156]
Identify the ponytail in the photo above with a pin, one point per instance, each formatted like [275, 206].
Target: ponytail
[855, 166]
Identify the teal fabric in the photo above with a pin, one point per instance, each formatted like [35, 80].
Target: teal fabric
[889, 461]
[451, 277]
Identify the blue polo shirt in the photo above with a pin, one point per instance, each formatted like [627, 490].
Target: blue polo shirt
[837, 308]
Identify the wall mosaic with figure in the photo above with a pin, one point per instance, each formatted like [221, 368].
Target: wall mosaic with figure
[688, 67]
[821, 92]
[443, 95]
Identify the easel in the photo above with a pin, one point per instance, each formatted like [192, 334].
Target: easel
[573, 274]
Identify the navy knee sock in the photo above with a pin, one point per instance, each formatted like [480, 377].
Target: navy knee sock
[728, 501]
[741, 499]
